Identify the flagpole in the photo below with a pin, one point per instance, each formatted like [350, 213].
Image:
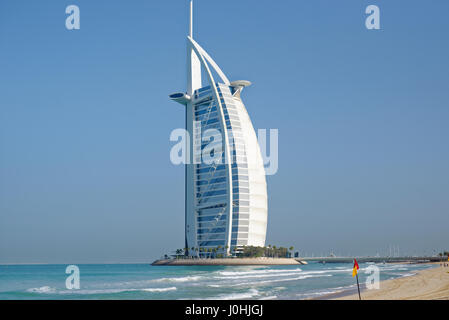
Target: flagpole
[358, 286]
[355, 272]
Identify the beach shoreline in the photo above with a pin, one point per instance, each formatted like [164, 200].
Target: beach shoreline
[428, 284]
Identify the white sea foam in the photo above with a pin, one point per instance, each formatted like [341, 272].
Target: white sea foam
[409, 274]
[323, 292]
[254, 283]
[276, 273]
[326, 271]
[159, 289]
[257, 271]
[95, 291]
[112, 291]
[268, 275]
[268, 298]
[179, 279]
[400, 275]
[44, 289]
[394, 267]
[316, 294]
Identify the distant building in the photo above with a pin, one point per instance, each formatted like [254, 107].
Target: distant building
[226, 202]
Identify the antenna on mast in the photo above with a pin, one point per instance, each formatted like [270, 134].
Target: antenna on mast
[191, 20]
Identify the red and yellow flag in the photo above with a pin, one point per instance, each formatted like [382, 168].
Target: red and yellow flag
[355, 268]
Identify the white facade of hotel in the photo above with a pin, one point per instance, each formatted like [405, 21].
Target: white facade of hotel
[226, 202]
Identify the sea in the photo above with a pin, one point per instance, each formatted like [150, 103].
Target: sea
[143, 281]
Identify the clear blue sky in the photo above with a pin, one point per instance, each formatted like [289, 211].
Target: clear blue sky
[85, 119]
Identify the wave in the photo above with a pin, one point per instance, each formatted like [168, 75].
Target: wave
[409, 274]
[48, 290]
[96, 291]
[393, 269]
[268, 275]
[179, 279]
[327, 271]
[276, 273]
[287, 279]
[113, 291]
[232, 273]
[401, 275]
[252, 283]
[317, 294]
[160, 289]
[268, 298]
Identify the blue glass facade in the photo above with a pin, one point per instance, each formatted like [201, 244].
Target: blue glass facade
[211, 180]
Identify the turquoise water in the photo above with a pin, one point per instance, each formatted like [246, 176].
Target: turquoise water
[141, 281]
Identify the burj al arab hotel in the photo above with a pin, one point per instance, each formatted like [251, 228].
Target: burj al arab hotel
[226, 200]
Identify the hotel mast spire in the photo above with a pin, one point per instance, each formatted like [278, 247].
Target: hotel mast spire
[193, 62]
[191, 20]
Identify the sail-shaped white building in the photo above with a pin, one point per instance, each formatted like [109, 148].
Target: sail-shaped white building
[226, 201]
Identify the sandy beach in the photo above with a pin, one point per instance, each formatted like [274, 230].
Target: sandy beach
[430, 284]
